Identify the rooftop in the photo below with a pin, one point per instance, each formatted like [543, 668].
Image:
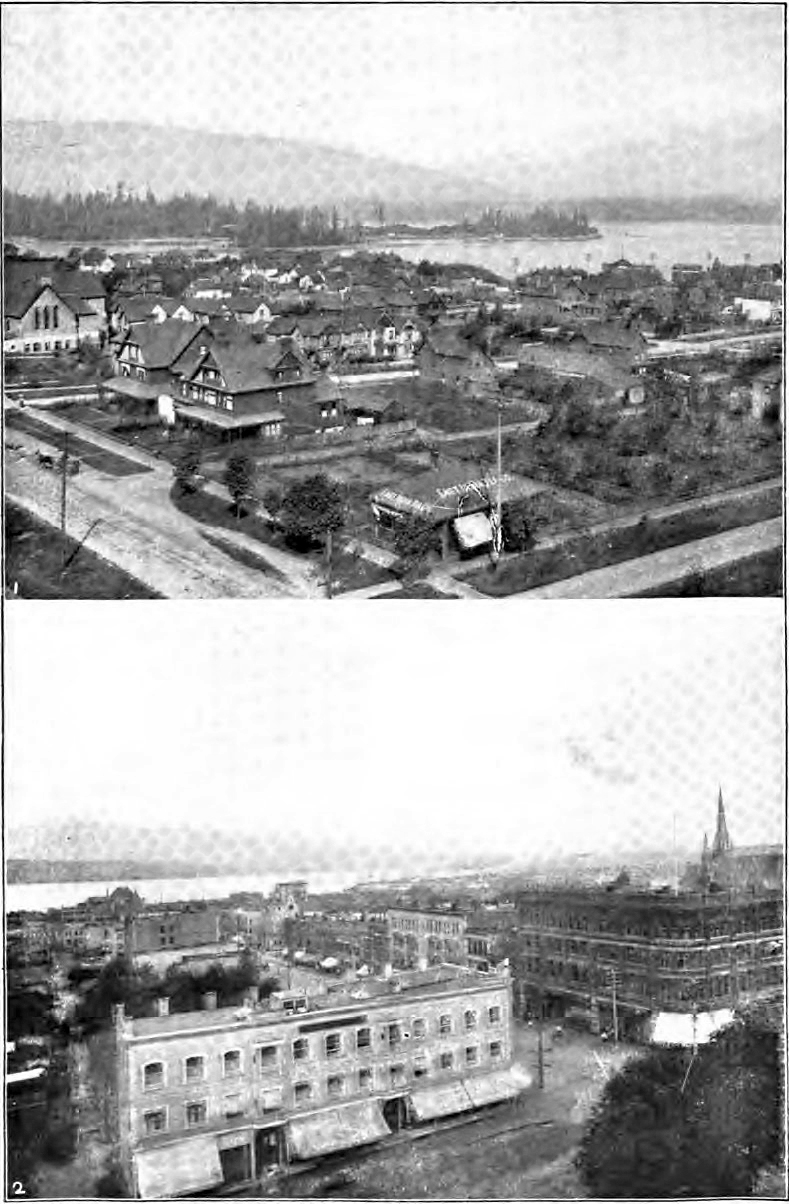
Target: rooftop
[416, 984]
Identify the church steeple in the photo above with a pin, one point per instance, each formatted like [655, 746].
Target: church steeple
[705, 853]
[722, 842]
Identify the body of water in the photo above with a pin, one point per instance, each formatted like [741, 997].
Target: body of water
[661, 243]
[668, 242]
[38, 896]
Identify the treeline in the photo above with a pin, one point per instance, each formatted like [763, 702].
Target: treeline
[104, 217]
[119, 981]
[683, 209]
[542, 222]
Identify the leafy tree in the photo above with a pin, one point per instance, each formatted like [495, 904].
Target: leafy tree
[516, 524]
[186, 468]
[312, 509]
[686, 1123]
[272, 500]
[239, 478]
[416, 539]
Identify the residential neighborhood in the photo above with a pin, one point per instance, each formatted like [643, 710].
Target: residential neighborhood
[608, 397]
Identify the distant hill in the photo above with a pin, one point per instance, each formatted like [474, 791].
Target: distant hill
[22, 870]
[41, 156]
[738, 159]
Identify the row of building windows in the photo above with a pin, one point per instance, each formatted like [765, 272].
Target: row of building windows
[419, 925]
[336, 1087]
[266, 1059]
[685, 928]
[45, 316]
[47, 345]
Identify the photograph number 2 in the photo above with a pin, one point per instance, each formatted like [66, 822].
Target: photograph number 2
[414, 302]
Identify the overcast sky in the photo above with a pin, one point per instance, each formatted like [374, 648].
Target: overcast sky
[526, 728]
[429, 83]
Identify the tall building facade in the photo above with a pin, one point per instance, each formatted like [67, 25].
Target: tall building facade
[228, 1096]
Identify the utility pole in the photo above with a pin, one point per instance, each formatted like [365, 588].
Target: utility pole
[614, 1008]
[329, 562]
[63, 489]
[497, 538]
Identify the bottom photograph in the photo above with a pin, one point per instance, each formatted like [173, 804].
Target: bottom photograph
[310, 907]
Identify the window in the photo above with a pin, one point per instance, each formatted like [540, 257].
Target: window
[472, 1055]
[37, 317]
[397, 1075]
[393, 1034]
[302, 1092]
[334, 1085]
[446, 1061]
[421, 1068]
[267, 1057]
[494, 1015]
[155, 1122]
[233, 1106]
[333, 1045]
[231, 1063]
[196, 1114]
[46, 317]
[362, 1038]
[365, 1079]
[301, 1049]
[495, 1051]
[55, 317]
[470, 1021]
[418, 1029]
[153, 1075]
[194, 1069]
[444, 1025]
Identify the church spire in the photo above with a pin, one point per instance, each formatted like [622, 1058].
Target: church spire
[722, 842]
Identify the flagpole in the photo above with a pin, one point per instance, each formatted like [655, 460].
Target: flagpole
[497, 529]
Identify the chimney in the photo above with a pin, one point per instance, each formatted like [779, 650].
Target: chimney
[209, 1001]
[421, 963]
[252, 996]
[388, 970]
[118, 1014]
[163, 1006]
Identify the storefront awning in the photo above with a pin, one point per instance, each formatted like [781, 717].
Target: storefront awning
[473, 531]
[683, 1028]
[337, 1129]
[179, 1169]
[443, 1100]
[491, 1088]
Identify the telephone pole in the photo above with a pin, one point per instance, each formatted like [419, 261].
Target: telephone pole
[614, 1007]
[63, 490]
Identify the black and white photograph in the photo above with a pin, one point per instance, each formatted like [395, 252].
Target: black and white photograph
[403, 301]
[414, 302]
[329, 929]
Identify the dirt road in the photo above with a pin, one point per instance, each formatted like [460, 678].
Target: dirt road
[140, 530]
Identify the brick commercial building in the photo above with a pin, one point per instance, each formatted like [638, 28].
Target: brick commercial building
[231, 1095]
[426, 937]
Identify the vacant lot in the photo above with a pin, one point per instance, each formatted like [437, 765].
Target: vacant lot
[560, 558]
[35, 555]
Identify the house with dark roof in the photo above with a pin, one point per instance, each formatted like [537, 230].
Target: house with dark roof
[447, 357]
[248, 308]
[153, 350]
[239, 385]
[49, 306]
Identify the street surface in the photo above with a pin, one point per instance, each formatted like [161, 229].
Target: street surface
[632, 577]
[143, 532]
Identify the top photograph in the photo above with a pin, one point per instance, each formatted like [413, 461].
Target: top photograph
[423, 301]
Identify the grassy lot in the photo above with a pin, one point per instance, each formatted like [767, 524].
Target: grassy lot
[585, 551]
[419, 590]
[757, 576]
[34, 557]
[97, 457]
[661, 453]
[348, 571]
